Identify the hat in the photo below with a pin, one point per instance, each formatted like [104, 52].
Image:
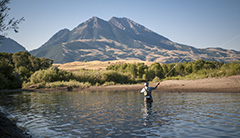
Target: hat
[146, 83]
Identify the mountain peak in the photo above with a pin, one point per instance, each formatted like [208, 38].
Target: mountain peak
[138, 30]
[125, 23]
[95, 18]
[121, 38]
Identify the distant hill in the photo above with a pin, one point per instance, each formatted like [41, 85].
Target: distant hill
[122, 39]
[8, 45]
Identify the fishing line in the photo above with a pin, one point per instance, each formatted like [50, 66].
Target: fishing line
[231, 40]
[174, 66]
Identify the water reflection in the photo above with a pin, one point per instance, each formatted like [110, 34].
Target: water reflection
[147, 113]
[124, 114]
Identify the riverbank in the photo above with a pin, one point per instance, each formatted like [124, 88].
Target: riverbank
[9, 129]
[225, 84]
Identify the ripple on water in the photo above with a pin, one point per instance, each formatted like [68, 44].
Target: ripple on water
[123, 114]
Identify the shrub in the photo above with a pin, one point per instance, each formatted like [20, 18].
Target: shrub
[92, 77]
[109, 83]
[116, 77]
[71, 83]
[156, 79]
[50, 75]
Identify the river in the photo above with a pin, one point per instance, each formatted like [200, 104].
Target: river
[124, 114]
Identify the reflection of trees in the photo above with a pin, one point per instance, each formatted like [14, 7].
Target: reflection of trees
[15, 101]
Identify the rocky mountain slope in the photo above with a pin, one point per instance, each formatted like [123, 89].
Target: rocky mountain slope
[8, 45]
[122, 38]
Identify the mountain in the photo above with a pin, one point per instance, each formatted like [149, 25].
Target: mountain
[8, 45]
[122, 38]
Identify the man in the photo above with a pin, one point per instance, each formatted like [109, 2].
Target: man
[148, 92]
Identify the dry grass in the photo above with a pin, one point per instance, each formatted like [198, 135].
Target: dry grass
[96, 65]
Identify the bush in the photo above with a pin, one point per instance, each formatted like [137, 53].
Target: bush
[9, 78]
[156, 79]
[92, 77]
[100, 77]
[71, 83]
[116, 77]
[18, 67]
[50, 75]
[109, 83]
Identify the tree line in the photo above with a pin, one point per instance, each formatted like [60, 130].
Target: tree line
[18, 67]
[199, 67]
[22, 69]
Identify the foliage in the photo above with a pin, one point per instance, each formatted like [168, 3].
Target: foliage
[23, 69]
[98, 78]
[18, 67]
[115, 77]
[50, 75]
[26, 64]
[190, 70]
[156, 79]
[92, 77]
[69, 84]
[109, 83]
[136, 70]
[53, 77]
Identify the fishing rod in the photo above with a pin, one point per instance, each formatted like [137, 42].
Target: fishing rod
[174, 67]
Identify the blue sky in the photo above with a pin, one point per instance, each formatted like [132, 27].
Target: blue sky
[198, 23]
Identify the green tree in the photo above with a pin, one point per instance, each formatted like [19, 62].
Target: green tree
[18, 67]
[141, 69]
[50, 75]
[188, 68]
[209, 65]
[180, 69]
[173, 70]
[198, 65]
[155, 70]
[21, 59]
[132, 68]
[26, 64]
[165, 69]
[9, 79]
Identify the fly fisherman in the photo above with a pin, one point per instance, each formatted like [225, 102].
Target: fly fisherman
[148, 92]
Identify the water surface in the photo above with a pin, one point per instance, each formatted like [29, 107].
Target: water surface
[124, 114]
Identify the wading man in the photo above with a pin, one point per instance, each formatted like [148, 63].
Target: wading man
[148, 92]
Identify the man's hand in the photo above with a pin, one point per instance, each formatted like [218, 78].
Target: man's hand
[157, 84]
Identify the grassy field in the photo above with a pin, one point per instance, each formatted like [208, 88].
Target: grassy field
[96, 65]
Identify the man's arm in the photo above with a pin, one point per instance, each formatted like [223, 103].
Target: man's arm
[157, 85]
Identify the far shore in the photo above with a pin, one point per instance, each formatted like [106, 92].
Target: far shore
[225, 84]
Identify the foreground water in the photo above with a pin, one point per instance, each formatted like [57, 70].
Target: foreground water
[124, 114]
